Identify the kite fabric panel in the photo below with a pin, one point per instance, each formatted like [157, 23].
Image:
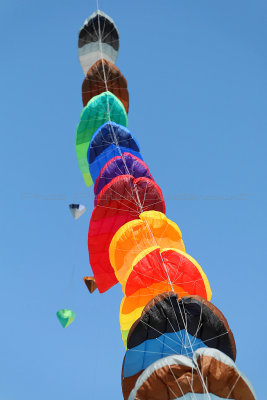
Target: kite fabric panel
[200, 318]
[174, 376]
[173, 265]
[100, 109]
[104, 76]
[117, 203]
[126, 164]
[132, 306]
[141, 356]
[152, 228]
[98, 38]
[170, 326]
[156, 271]
[109, 141]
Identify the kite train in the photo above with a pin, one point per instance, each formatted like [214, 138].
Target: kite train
[178, 344]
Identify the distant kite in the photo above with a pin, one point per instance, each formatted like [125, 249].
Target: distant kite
[77, 210]
[65, 317]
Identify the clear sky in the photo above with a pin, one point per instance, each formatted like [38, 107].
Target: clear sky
[196, 72]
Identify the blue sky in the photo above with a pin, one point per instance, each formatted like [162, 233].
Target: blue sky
[196, 72]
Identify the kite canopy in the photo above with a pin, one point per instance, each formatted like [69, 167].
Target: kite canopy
[65, 317]
[98, 38]
[175, 376]
[109, 141]
[156, 271]
[77, 210]
[131, 239]
[100, 109]
[126, 164]
[168, 314]
[159, 265]
[116, 205]
[103, 76]
[170, 326]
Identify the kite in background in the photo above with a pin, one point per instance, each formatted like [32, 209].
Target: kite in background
[90, 283]
[65, 317]
[77, 210]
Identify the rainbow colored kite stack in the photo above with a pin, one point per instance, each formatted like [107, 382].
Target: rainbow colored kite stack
[177, 342]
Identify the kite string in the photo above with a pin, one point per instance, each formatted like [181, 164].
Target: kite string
[127, 168]
[137, 194]
[135, 187]
[121, 154]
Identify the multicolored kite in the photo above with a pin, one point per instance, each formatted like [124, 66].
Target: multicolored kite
[178, 344]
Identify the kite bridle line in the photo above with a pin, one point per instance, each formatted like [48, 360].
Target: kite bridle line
[121, 154]
[139, 201]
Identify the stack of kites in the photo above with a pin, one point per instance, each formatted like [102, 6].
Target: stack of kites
[178, 344]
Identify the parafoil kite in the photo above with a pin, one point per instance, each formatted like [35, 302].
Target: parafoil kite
[105, 76]
[98, 39]
[178, 344]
